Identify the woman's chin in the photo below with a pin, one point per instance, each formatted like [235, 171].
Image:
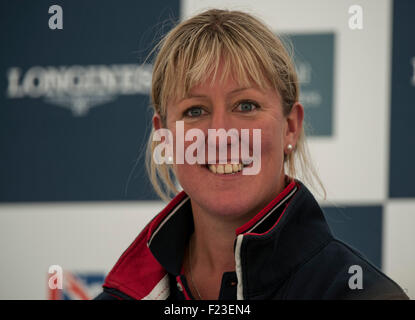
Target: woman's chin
[228, 206]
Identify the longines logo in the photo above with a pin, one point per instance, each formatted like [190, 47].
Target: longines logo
[304, 71]
[310, 98]
[77, 87]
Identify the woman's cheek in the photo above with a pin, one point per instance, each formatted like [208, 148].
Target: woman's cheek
[272, 150]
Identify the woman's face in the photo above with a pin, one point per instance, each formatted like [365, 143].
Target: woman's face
[226, 105]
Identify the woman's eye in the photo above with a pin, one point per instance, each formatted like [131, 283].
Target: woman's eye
[193, 112]
[246, 106]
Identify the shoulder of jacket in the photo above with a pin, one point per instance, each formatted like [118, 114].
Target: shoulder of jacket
[338, 271]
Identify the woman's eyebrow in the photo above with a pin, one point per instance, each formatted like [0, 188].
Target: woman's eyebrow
[254, 90]
[192, 96]
[239, 90]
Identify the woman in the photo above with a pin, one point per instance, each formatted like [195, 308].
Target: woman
[228, 234]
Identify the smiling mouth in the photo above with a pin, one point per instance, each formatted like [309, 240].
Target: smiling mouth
[226, 168]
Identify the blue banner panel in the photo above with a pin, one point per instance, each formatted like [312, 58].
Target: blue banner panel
[360, 227]
[314, 61]
[74, 104]
[402, 152]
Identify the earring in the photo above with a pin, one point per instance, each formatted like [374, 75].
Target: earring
[289, 147]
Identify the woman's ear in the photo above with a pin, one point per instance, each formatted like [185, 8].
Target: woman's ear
[294, 125]
[157, 124]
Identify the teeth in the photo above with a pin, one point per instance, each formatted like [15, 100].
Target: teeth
[225, 168]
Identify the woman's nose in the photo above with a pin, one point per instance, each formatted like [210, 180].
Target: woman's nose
[221, 132]
[220, 118]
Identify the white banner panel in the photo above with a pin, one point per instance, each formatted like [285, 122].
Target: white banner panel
[84, 238]
[398, 243]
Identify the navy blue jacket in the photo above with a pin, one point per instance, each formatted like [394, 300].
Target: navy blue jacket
[286, 251]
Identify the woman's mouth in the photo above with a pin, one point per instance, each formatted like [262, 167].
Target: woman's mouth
[226, 169]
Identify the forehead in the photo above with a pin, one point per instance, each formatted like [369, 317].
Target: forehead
[228, 84]
[222, 81]
[186, 78]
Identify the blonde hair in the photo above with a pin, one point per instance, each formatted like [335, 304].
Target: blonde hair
[249, 51]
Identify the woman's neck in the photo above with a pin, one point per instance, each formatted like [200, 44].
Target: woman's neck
[209, 254]
[213, 241]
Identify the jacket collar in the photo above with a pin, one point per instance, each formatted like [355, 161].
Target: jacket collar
[170, 234]
[299, 233]
[141, 272]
